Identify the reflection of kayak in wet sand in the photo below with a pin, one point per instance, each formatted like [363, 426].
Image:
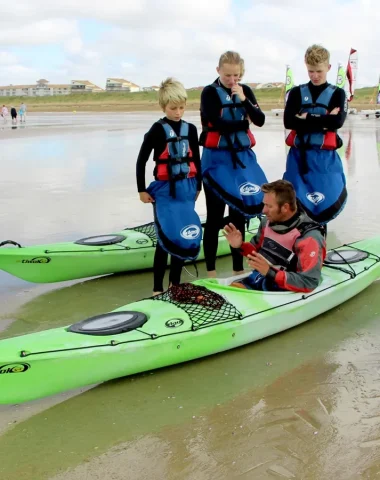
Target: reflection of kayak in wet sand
[128, 250]
[184, 323]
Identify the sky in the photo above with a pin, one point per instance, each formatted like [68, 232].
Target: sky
[145, 41]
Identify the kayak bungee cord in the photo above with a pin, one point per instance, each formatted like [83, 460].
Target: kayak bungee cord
[10, 242]
[351, 272]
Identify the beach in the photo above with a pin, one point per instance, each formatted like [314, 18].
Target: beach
[303, 404]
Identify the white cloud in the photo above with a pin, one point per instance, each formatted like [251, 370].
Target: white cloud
[151, 39]
[17, 74]
[7, 58]
[51, 30]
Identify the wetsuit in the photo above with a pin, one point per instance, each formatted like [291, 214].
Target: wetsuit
[211, 108]
[155, 140]
[313, 165]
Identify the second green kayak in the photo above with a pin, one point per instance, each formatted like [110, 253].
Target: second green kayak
[128, 250]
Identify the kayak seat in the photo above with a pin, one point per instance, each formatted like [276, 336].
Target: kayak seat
[101, 240]
[109, 323]
[227, 281]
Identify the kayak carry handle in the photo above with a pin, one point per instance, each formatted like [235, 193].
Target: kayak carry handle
[10, 242]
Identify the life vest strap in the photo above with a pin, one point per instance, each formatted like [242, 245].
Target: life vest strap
[166, 161]
[177, 139]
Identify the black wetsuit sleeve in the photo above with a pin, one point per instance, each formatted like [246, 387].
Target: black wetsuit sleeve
[210, 112]
[149, 142]
[194, 146]
[330, 122]
[254, 112]
[314, 123]
[292, 108]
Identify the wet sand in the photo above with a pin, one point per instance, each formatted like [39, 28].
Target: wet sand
[300, 405]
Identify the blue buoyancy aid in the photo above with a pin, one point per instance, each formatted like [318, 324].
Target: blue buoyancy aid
[232, 110]
[326, 140]
[178, 226]
[318, 178]
[175, 163]
[240, 188]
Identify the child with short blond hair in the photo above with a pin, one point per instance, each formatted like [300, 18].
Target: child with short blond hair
[177, 184]
[314, 112]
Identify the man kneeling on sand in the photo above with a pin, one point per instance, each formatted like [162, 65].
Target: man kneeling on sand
[289, 248]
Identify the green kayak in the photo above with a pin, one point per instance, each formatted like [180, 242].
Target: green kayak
[186, 322]
[130, 249]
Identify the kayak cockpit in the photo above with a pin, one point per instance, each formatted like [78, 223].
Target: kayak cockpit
[100, 240]
[344, 257]
[110, 323]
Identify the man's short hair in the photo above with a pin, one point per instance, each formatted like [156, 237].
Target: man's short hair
[284, 192]
[171, 91]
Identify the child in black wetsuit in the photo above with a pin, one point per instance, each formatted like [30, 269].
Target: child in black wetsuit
[176, 186]
[14, 115]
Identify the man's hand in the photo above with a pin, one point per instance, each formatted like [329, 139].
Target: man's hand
[302, 115]
[233, 235]
[146, 198]
[258, 262]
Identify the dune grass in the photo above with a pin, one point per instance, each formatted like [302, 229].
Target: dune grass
[120, 101]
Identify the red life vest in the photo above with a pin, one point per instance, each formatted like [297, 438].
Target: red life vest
[278, 248]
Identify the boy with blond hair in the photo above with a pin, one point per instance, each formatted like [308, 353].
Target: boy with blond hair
[177, 184]
[314, 112]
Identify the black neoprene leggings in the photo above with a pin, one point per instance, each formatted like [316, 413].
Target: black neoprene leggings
[215, 214]
[159, 267]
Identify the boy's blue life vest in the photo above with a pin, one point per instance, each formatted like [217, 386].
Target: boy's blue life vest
[175, 163]
[321, 189]
[178, 226]
[314, 167]
[315, 140]
[232, 109]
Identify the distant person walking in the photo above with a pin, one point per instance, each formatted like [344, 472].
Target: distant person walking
[22, 112]
[4, 113]
[14, 115]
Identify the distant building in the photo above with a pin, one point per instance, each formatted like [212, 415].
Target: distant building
[84, 86]
[15, 90]
[252, 85]
[43, 88]
[121, 85]
[153, 88]
[259, 86]
[269, 85]
[195, 88]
